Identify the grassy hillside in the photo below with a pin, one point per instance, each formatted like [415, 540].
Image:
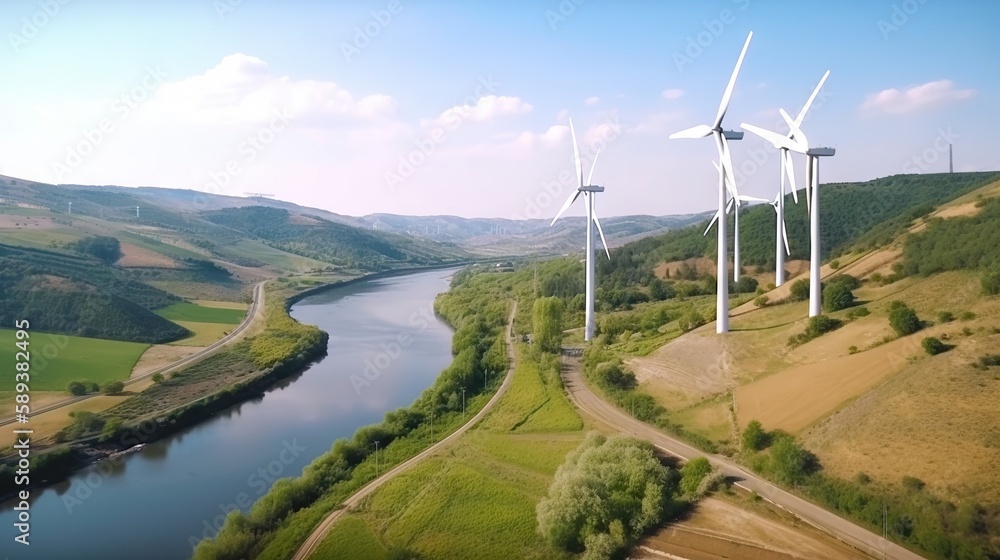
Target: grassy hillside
[80, 296]
[863, 215]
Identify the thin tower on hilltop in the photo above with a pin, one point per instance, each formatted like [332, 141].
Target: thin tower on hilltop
[951, 161]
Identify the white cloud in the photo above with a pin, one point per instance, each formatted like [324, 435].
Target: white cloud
[563, 115]
[673, 93]
[241, 89]
[591, 101]
[915, 98]
[486, 109]
[658, 123]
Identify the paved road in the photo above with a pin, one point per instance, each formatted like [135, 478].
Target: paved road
[840, 528]
[319, 533]
[255, 311]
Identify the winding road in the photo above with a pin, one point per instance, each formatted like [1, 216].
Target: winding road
[255, 311]
[840, 528]
[319, 533]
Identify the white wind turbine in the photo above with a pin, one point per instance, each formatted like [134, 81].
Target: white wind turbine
[736, 200]
[796, 141]
[726, 170]
[787, 169]
[588, 191]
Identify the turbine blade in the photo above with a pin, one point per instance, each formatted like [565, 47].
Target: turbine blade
[569, 202]
[784, 233]
[779, 140]
[600, 230]
[576, 154]
[700, 131]
[729, 205]
[805, 108]
[590, 178]
[727, 96]
[729, 183]
[712, 223]
[727, 166]
[795, 133]
[748, 198]
[790, 173]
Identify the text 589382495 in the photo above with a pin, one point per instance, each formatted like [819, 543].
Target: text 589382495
[22, 446]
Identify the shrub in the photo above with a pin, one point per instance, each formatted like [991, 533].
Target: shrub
[858, 312]
[613, 375]
[902, 319]
[966, 316]
[835, 264]
[690, 321]
[945, 317]
[157, 378]
[877, 277]
[837, 296]
[800, 290]
[112, 387]
[863, 478]
[76, 388]
[852, 350]
[991, 281]
[851, 282]
[989, 360]
[913, 483]
[933, 346]
[821, 324]
[692, 474]
[761, 301]
[754, 437]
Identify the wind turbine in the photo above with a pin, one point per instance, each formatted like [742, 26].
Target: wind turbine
[588, 191]
[722, 138]
[787, 169]
[735, 201]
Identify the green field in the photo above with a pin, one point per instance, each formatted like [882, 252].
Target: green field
[247, 248]
[194, 313]
[56, 360]
[436, 509]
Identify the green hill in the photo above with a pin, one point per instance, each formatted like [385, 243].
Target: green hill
[80, 296]
[863, 215]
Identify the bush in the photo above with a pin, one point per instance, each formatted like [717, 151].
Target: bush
[821, 324]
[851, 282]
[902, 319]
[966, 316]
[613, 375]
[690, 321]
[913, 483]
[761, 301]
[76, 388]
[858, 312]
[112, 387]
[989, 360]
[800, 290]
[692, 474]
[945, 317]
[157, 378]
[754, 437]
[837, 296]
[933, 346]
[835, 264]
[991, 281]
[607, 493]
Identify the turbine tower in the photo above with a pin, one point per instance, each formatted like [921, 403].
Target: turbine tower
[589, 192]
[734, 201]
[787, 169]
[722, 138]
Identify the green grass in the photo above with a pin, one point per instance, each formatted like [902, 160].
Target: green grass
[56, 360]
[475, 498]
[246, 248]
[194, 313]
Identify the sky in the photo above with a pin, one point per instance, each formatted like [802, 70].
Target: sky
[430, 107]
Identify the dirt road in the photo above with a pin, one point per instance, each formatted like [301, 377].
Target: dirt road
[842, 529]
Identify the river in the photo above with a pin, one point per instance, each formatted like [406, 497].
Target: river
[158, 501]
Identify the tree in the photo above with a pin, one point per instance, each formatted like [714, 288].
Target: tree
[800, 290]
[547, 317]
[692, 474]
[991, 281]
[613, 375]
[837, 296]
[607, 493]
[660, 290]
[76, 388]
[754, 437]
[112, 387]
[902, 319]
[157, 378]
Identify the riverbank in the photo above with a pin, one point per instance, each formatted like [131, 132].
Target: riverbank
[281, 348]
